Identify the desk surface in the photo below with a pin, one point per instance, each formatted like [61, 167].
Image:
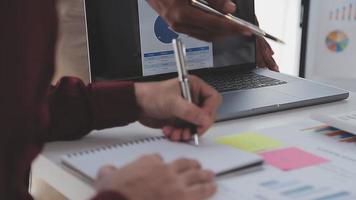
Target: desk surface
[48, 167]
[345, 83]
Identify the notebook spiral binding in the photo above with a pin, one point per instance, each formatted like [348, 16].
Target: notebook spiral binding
[115, 146]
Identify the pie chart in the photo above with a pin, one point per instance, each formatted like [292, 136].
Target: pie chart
[163, 32]
[337, 41]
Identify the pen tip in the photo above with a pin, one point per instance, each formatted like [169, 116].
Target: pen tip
[196, 139]
[274, 39]
[281, 41]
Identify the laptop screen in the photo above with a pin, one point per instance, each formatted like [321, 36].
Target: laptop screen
[128, 40]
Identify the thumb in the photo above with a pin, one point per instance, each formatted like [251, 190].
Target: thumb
[191, 113]
[106, 171]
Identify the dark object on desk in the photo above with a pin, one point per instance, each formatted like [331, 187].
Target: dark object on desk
[247, 90]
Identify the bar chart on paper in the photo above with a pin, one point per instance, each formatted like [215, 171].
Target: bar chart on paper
[314, 162]
[334, 45]
[345, 11]
[295, 189]
[282, 188]
[338, 40]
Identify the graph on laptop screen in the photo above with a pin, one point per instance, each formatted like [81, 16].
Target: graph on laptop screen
[128, 39]
[331, 48]
[156, 44]
[157, 55]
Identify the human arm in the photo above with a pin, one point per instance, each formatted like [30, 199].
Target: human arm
[154, 103]
[76, 109]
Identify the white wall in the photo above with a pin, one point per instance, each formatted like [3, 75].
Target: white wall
[282, 18]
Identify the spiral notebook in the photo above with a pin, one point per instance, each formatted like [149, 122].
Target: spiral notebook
[218, 158]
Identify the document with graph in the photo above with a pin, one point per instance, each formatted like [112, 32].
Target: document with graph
[342, 121]
[332, 38]
[305, 160]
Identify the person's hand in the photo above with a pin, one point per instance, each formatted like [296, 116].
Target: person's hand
[264, 55]
[182, 17]
[150, 179]
[164, 107]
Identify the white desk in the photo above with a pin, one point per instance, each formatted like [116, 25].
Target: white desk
[48, 167]
[345, 83]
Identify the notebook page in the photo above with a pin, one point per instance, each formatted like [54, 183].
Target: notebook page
[211, 155]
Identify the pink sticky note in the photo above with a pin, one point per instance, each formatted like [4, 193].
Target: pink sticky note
[291, 158]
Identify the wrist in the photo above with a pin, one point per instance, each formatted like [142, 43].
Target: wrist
[140, 93]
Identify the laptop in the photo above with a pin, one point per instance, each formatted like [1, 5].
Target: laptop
[129, 41]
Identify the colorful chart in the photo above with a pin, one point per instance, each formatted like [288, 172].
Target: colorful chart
[163, 32]
[344, 12]
[337, 41]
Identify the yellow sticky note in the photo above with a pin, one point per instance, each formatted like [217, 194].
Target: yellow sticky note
[252, 142]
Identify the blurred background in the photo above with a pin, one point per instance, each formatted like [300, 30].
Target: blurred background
[282, 18]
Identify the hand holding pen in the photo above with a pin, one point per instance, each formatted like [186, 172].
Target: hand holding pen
[184, 18]
[180, 56]
[204, 5]
[160, 105]
[184, 80]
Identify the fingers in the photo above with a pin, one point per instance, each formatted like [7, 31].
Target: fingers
[176, 135]
[202, 191]
[210, 99]
[191, 113]
[271, 64]
[199, 183]
[167, 131]
[265, 54]
[153, 158]
[183, 165]
[186, 134]
[196, 176]
[218, 26]
[203, 117]
[206, 26]
[225, 6]
[106, 171]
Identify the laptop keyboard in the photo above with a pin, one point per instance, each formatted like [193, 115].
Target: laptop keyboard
[240, 81]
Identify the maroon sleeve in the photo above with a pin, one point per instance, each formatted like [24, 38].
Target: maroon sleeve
[76, 109]
[109, 195]
[27, 39]
[28, 114]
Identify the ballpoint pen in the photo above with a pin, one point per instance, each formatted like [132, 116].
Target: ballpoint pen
[253, 28]
[180, 56]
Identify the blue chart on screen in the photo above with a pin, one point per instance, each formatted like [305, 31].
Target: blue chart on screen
[162, 31]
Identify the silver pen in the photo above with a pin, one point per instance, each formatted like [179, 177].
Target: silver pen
[253, 28]
[180, 57]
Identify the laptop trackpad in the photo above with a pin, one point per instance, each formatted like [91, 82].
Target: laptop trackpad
[247, 100]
